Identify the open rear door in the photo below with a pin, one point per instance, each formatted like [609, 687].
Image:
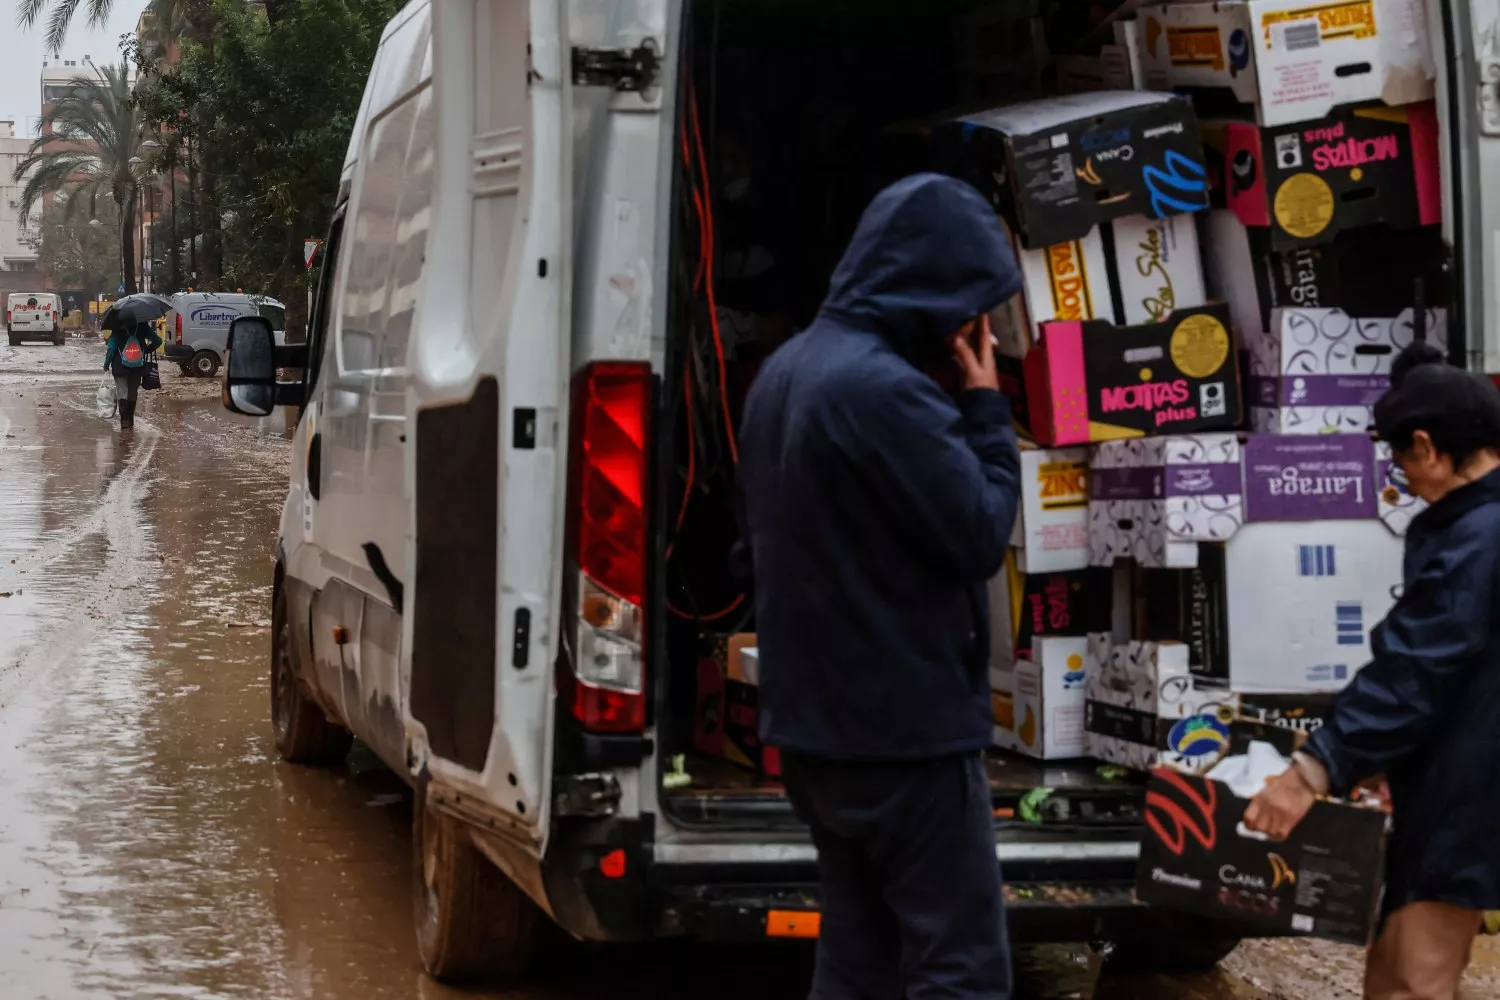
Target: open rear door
[1466, 37]
[489, 374]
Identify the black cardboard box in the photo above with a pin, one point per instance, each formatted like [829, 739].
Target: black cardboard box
[1375, 271]
[1323, 881]
[1360, 167]
[1092, 381]
[1055, 168]
[1071, 603]
[1283, 720]
[1190, 606]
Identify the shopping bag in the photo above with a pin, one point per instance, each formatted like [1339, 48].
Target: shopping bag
[104, 399]
[150, 375]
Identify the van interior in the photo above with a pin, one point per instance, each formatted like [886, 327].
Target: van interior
[792, 115]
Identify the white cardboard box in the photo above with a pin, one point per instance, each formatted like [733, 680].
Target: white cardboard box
[1154, 499]
[1052, 527]
[1311, 543]
[1144, 709]
[1294, 60]
[1302, 599]
[1320, 371]
[1046, 694]
[1156, 268]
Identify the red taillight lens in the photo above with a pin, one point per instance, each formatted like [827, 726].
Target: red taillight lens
[604, 678]
[613, 415]
[177, 329]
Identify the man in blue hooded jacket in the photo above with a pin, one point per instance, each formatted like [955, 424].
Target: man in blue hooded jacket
[876, 507]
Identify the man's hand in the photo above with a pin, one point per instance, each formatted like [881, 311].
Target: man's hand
[978, 369]
[1281, 805]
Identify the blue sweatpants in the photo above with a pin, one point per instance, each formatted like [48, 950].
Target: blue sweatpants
[912, 905]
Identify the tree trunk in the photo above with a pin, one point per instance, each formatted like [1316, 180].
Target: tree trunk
[127, 243]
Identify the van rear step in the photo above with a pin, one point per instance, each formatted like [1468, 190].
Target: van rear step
[1036, 911]
[1024, 791]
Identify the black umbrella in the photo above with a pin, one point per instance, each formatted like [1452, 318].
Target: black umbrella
[132, 310]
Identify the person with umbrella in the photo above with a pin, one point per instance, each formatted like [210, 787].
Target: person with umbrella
[131, 339]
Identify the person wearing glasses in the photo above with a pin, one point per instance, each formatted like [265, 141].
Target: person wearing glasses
[1425, 711]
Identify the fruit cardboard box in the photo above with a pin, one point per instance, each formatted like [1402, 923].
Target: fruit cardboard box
[1143, 708]
[1057, 167]
[1361, 167]
[1052, 527]
[1046, 702]
[1129, 271]
[1320, 371]
[1374, 271]
[1092, 381]
[1292, 60]
[1197, 856]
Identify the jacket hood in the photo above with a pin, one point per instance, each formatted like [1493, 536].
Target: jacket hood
[929, 255]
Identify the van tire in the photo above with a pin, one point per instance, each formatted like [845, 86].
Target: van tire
[58, 338]
[205, 364]
[473, 923]
[304, 734]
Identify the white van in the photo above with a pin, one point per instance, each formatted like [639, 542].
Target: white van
[476, 571]
[197, 327]
[33, 316]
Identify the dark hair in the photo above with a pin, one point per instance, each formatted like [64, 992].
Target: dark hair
[1460, 411]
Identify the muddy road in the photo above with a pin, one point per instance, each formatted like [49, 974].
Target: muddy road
[150, 843]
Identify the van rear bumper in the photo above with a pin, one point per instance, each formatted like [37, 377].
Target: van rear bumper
[1066, 888]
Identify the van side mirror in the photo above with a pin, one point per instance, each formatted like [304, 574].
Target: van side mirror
[250, 386]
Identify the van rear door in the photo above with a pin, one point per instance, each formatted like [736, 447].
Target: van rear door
[488, 380]
[1468, 100]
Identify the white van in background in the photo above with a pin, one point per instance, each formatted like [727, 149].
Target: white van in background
[197, 327]
[472, 571]
[33, 316]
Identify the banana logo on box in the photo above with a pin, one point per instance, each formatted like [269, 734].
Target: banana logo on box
[1281, 872]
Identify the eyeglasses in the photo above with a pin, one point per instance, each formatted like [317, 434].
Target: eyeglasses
[1397, 477]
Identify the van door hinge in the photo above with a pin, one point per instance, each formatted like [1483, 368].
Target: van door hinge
[1489, 94]
[625, 70]
[592, 795]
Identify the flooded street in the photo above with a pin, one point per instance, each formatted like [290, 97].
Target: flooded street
[150, 843]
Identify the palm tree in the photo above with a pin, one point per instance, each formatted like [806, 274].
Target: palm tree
[61, 17]
[90, 145]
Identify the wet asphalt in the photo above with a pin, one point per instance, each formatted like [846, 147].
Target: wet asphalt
[151, 845]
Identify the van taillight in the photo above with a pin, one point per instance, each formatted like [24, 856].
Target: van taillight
[604, 682]
[177, 329]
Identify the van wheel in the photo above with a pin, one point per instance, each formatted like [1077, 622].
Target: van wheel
[304, 735]
[205, 364]
[473, 923]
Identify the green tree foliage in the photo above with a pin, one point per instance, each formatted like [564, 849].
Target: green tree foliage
[90, 148]
[267, 106]
[80, 249]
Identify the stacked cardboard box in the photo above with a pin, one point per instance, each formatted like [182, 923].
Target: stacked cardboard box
[1234, 492]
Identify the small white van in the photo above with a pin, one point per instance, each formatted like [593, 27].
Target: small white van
[503, 557]
[197, 327]
[33, 316]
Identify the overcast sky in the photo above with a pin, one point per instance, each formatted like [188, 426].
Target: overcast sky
[22, 50]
